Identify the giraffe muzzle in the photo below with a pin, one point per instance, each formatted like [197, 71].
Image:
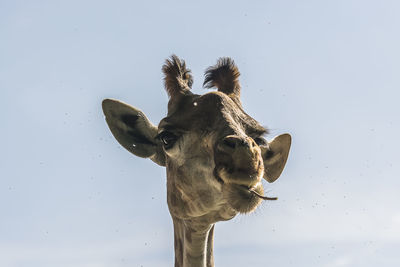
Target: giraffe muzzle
[238, 160]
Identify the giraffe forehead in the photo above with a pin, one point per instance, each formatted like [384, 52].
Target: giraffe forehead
[214, 111]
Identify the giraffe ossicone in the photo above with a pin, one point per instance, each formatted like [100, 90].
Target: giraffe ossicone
[214, 153]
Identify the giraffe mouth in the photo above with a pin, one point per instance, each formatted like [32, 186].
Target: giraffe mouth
[243, 198]
[252, 189]
[249, 178]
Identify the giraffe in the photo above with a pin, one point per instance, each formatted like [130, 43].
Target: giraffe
[214, 153]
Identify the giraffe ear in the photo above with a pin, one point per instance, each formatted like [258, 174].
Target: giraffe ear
[133, 130]
[275, 155]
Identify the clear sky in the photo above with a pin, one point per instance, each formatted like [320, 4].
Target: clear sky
[325, 71]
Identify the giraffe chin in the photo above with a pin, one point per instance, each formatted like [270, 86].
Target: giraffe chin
[240, 198]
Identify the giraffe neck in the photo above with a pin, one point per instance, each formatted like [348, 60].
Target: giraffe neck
[193, 244]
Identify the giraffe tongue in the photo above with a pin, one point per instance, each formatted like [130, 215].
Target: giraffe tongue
[261, 196]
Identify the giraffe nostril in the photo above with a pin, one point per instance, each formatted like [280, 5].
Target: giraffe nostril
[246, 143]
[235, 142]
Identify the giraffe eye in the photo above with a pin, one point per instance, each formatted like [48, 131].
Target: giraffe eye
[168, 139]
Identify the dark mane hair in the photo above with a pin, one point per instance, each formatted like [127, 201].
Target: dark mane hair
[177, 76]
[224, 75]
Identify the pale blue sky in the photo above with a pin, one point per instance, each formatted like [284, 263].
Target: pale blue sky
[325, 71]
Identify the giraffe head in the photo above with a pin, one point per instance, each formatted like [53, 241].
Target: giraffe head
[214, 153]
